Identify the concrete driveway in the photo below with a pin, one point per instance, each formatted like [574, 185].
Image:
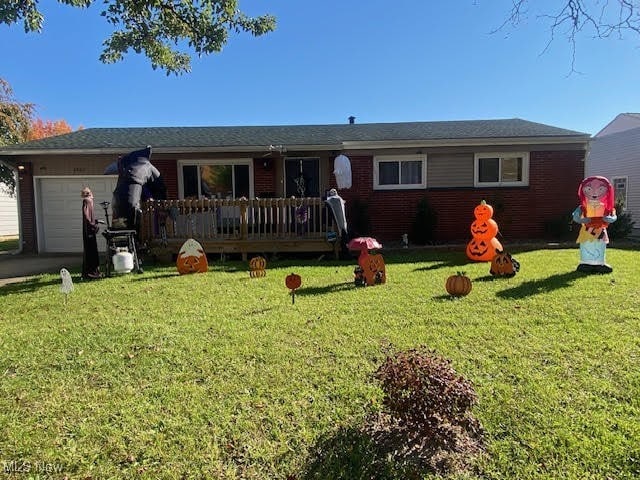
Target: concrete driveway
[19, 267]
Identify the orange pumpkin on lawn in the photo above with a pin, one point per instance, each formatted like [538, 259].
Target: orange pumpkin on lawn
[458, 285]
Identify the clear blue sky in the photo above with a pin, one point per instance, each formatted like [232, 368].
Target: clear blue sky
[380, 61]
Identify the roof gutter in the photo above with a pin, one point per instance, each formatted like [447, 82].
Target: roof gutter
[346, 145]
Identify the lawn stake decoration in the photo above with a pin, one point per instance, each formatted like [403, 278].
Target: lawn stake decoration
[504, 265]
[371, 268]
[458, 285]
[484, 244]
[67, 283]
[257, 267]
[191, 258]
[595, 212]
[293, 282]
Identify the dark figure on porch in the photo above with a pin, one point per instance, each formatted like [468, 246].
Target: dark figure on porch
[136, 176]
[90, 257]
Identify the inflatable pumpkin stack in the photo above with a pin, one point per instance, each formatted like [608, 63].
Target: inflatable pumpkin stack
[484, 244]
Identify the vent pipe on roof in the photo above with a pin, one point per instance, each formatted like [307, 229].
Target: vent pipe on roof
[352, 120]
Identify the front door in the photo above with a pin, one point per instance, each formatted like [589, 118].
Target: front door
[302, 177]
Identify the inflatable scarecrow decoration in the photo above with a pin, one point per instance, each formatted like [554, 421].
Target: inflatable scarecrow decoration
[595, 212]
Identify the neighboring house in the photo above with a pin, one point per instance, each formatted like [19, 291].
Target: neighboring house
[528, 171]
[622, 122]
[615, 154]
[8, 213]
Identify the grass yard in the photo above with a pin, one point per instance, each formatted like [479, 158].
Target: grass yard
[8, 244]
[218, 375]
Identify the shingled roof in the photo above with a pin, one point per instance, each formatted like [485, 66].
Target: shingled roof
[331, 136]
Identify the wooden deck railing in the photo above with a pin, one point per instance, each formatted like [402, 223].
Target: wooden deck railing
[241, 225]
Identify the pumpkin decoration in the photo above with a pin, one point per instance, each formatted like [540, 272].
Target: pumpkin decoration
[484, 229]
[504, 265]
[257, 267]
[484, 244]
[293, 282]
[191, 258]
[458, 285]
[483, 211]
[373, 268]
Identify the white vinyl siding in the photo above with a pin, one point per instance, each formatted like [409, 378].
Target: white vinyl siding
[8, 213]
[618, 156]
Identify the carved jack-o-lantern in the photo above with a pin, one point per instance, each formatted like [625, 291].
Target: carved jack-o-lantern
[484, 229]
[373, 268]
[484, 244]
[191, 258]
[483, 211]
[483, 250]
[504, 265]
[257, 267]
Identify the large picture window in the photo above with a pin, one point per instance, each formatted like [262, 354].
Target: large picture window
[216, 179]
[501, 169]
[392, 172]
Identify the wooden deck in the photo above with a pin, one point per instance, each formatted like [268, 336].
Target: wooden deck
[241, 226]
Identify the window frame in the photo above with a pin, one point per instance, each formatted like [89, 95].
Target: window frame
[626, 189]
[215, 162]
[378, 159]
[500, 156]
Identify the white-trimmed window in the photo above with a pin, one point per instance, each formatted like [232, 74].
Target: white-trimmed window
[394, 172]
[501, 169]
[620, 190]
[215, 178]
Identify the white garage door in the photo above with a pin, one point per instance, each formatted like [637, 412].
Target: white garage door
[59, 210]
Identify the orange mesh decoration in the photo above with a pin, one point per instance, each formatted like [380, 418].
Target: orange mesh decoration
[484, 244]
[257, 267]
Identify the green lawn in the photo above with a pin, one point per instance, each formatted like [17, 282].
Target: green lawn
[8, 244]
[218, 375]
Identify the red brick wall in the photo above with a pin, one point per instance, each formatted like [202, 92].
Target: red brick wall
[27, 208]
[521, 212]
[169, 172]
[264, 178]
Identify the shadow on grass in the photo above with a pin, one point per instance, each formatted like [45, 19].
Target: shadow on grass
[29, 285]
[347, 454]
[545, 285]
[336, 287]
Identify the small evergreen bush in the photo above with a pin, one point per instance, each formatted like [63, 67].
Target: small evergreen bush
[623, 226]
[424, 224]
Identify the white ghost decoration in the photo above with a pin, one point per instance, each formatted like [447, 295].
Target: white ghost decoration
[67, 283]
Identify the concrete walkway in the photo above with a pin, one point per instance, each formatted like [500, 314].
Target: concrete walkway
[17, 268]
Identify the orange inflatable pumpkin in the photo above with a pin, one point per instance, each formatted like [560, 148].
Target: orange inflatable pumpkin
[483, 250]
[484, 229]
[483, 211]
[483, 245]
[191, 258]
